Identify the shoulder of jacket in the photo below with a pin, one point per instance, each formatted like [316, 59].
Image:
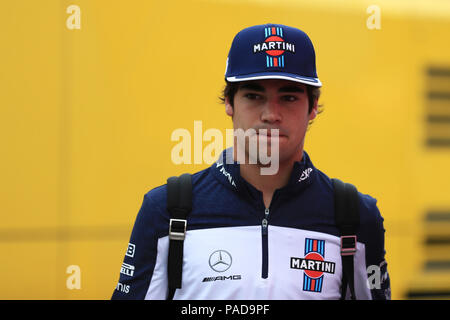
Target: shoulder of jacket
[368, 207]
[157, 196]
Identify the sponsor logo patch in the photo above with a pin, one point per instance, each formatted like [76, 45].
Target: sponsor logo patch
[274, 46]
[313, 264]
[127, 269]
[220, 261]
[130, 250]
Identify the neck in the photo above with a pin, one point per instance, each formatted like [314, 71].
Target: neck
[267, 184]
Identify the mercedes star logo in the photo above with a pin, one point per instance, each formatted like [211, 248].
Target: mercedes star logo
[220, 260]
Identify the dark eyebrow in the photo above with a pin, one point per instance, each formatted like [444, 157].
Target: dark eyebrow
[291, 89]
[252, 87]
[260, 88]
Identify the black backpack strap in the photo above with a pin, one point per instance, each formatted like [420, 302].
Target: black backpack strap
[346, 202]
[179, 204]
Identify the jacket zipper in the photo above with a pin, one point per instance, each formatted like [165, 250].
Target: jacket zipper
[265, 245]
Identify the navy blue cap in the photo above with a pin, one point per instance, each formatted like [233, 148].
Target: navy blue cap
[272, 51]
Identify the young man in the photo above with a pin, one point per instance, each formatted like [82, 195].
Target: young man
[252, 235]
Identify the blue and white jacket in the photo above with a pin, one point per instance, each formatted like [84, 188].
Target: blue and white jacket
[235, 248]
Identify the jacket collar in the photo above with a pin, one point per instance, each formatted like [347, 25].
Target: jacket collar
[227, 171]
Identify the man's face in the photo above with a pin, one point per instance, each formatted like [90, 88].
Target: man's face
[273, 104]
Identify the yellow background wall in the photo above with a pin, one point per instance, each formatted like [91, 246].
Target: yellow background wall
[87, 115]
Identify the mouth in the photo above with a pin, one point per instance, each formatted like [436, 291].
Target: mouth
[269, 134]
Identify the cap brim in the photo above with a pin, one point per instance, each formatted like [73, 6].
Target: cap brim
[276, 75]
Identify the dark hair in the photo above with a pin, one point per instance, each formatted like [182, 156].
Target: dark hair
[232, 87]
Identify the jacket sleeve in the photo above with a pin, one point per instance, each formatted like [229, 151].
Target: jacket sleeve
[138, 267]
[378, 281]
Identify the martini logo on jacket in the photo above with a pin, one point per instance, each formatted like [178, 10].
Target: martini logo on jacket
[313, 264]
[274, 46]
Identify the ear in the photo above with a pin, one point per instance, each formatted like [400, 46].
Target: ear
[314, 110]
[228, 107]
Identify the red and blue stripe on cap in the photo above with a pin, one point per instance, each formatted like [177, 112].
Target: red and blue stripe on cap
[274, 58]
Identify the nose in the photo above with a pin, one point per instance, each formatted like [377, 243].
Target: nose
[271, 111]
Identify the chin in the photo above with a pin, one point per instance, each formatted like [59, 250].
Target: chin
[290, 154]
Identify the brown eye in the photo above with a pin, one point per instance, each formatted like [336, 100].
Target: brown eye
[252, 96]
[289, 98]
